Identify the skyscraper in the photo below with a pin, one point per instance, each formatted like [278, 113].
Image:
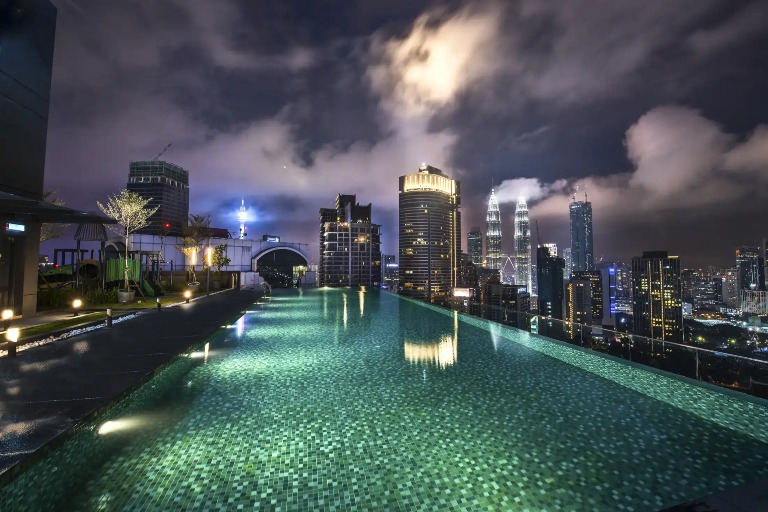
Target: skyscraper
[657, 296]
[579, 302]
[752, 266]
[581, 235]
[167, 185]
[350, 245]
[731, 287]
[493, 234]
[522, 245]
[595, 278]
[475, 246]
[549, 269]
[429, 234]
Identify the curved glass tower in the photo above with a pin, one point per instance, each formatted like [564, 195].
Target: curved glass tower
[522, 245]
[493, 234]
[429, 234]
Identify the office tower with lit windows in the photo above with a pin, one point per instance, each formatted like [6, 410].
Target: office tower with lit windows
[568, 257]
[429, 230]
[579, 298]
[595, 278]
[657, 304]
[549, 269]
[752, 267]
[493, 234]
[167, 185]
[731, 286]
[350, 245]
[582, 251]
[475, 246]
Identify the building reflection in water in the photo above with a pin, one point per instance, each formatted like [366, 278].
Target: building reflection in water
[442, 353]
[345, 310]
[361, 298]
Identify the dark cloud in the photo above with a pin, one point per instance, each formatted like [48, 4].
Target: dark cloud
[287, 103]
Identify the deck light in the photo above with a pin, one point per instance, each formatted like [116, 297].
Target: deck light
[7, 315]
[12, 335]
[76, 304]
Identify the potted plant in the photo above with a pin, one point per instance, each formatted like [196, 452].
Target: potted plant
[131, 212]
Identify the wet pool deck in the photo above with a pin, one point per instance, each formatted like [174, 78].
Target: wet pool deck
[49, 388]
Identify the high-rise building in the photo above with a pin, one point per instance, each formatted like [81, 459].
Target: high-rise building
[568, 257]
[549, 270]
[350, 245]
[429, 234]
[522, 245]
[731, 287]
[580, 301]
[595, 278]
[657, 296]
[167, 185]
[493, 234]
[475, 246]
[390, 271]
[581, 235]
[503, 303]
[27, 34]
[752, 266]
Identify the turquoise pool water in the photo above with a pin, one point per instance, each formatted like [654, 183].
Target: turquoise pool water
[346, 400]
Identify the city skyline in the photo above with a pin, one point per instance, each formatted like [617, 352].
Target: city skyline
[355, 112]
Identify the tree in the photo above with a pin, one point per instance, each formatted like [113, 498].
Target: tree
[194, 233]
[130, 211]
[49, 231]
[220, 259]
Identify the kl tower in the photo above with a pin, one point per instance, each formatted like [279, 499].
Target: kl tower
[241, 216]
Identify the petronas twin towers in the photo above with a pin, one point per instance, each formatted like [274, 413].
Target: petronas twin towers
[522, 256]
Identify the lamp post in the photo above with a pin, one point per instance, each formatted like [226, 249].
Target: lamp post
[187, 295]
[209, 261]
[76, 304]
[7, 315]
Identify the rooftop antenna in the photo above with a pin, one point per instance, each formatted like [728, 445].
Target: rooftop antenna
[585, 194]
[538, 235]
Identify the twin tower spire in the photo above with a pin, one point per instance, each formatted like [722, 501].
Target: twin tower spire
[522, 256]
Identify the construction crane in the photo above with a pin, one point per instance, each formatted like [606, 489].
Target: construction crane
[163, 151]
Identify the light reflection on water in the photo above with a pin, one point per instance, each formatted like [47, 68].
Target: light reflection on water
[442, 353]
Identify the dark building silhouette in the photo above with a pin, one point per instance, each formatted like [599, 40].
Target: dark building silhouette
[657, 296]
[504, 302]
[429, 234]
[549, 269]
[167, 185]
[475, 246]
[582, 252]
[350, 245]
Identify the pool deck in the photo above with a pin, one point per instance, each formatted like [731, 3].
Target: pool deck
[49, 388]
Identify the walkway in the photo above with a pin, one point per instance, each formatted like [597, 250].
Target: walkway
[49, 388]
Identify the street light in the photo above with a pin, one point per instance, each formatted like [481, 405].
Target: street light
[76, 304]
[7, 315]
[187, 295]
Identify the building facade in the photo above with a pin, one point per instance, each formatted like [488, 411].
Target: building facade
[350, 245]
[550, 270]
[579, 298]
[751, 265]
[522, 246]
[493, 234]
[595, 278]
[475, 246]
[582, 252]
[167, 185]
[429, 230]
[657, 296]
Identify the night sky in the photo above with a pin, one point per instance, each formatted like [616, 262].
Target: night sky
[657, 108]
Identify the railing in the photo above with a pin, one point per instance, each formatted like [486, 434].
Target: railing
[735, 371]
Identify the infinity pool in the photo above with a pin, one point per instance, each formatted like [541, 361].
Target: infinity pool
[346, 400]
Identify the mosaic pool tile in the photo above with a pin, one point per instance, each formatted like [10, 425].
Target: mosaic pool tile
[339, 400]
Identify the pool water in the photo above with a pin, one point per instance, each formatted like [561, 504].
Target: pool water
[335, 399]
